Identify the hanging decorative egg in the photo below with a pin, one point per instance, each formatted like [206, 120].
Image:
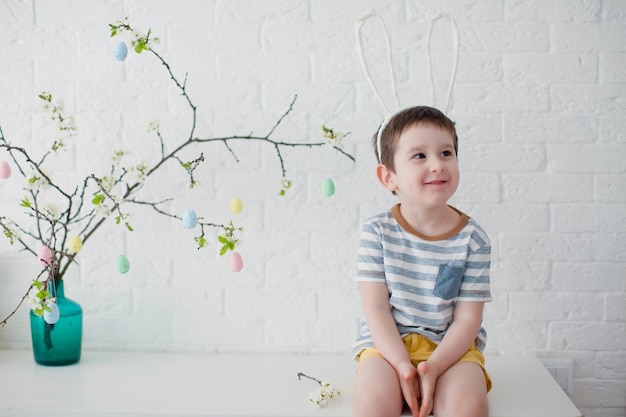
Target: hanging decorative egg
[120, 51]
[122, 264]
[44, 254]
[75, 244]
[236, 205]
[190, 219]
[5, 170]
[328, 187]
[235, 263]
[53, 315]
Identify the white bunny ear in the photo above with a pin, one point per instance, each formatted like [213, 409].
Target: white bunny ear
[394, 89]
[455, 57]
[358, 29]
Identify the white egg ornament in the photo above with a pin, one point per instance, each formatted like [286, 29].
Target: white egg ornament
[120, 52]
[53, 315]
[328, 187]
[122, 264]
[75, 244]
[235, 262]
[236, 205]
[190, 219]
[5, 170]
[44, 254]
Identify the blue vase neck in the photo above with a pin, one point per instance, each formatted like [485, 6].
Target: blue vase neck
[55, 286]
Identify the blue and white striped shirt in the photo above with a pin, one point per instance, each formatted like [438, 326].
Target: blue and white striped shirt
[425, 276]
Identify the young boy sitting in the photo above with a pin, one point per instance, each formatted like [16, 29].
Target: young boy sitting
[423, 273]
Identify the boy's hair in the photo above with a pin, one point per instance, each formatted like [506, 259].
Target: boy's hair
[404, 119]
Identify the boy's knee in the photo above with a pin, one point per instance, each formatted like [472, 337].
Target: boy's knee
[470, 406]
[362, 409]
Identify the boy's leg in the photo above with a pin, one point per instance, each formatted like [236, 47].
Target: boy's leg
[461, 392]
[377, 389]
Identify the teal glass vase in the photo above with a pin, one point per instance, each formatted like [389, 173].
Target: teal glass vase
[60, 343]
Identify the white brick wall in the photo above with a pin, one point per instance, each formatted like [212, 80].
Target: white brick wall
[540, 102]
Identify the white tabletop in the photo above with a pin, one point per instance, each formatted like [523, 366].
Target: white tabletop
[192, 384]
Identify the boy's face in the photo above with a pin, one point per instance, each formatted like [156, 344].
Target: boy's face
[426, 168]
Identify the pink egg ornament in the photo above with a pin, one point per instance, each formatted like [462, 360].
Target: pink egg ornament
[5, 170]
[44, 254]
[235, 262]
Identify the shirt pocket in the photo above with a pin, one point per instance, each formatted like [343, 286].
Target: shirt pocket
[448, 282]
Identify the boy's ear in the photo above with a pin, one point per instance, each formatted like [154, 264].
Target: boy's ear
[385, 177]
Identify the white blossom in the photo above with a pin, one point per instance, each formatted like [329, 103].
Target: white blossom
[324, 394]
[153, 125]
[117, 156]
[332, 138]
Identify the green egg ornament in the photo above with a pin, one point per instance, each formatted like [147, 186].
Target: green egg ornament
[122, 264]
[328, 187]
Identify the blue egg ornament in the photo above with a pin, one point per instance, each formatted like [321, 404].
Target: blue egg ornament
[53, 315]
[328, 187]
[120, 52]
[190, 219]
[122, 264]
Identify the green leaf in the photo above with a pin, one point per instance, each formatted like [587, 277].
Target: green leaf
[45, 96]
[130, 229]
[118, 219]
[139, 47]
[222, 239]
[25, 202]
[223, 250]
[97, 199]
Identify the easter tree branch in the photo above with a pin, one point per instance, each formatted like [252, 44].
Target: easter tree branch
[88, 204]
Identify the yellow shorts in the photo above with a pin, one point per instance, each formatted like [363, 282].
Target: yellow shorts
[420, 348]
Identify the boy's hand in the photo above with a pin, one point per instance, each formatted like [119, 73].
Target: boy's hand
[409, 383]
[428, 373]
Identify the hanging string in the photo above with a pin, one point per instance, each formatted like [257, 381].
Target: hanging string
[455, 61]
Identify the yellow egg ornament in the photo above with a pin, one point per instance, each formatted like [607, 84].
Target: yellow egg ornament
[75, 244]
[236, 205]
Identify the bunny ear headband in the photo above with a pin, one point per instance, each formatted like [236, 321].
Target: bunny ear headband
[396, 108]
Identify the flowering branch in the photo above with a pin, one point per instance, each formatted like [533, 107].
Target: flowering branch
[324, 394]
[63, 232]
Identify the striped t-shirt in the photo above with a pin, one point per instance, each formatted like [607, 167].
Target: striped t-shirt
[425, 276]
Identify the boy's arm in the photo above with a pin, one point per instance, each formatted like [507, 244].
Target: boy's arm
[382, 326]
[459, 336]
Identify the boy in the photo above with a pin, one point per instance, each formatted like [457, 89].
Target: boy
[423, 273]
